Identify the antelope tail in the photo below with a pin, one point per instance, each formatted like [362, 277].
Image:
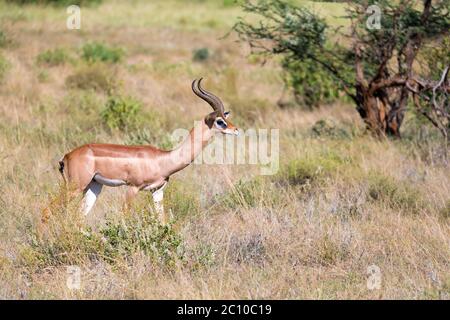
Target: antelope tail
[62, 165]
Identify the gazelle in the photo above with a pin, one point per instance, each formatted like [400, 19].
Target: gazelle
[90, 167]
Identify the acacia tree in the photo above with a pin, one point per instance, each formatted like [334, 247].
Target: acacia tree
[373, 66]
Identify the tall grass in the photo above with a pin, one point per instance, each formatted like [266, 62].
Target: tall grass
[340, 202]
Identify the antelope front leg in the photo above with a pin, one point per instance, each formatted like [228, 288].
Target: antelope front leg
[158, 197]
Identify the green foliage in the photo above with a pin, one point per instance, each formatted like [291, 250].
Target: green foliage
[4, 67]
[203, 255]
[397, 195]
[95, 52]
[141, 232]
[311, 84]
[300, 36]
[437, 57]
[53, 57]
[121, 112]
[318, 66]
[57, 2]
[200, 55]
[68, 242]
[96, 77]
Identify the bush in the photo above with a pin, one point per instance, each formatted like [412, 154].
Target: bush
[95, 51]
[4, 67]
[95, 77]
[200, 55]
[397, 195]
[121, 113]
[66, 242]
[311, 85]
[142, 232]
[53, 57]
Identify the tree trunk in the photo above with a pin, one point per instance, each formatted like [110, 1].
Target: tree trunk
[381, 116]
[373, 111]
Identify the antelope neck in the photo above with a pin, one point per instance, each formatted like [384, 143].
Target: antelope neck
[181, 157]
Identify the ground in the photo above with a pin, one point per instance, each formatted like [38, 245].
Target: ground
[347, 216]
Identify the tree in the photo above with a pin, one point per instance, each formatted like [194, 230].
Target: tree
[373, 66]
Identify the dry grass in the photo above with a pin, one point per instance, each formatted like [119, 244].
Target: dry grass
[338, 205]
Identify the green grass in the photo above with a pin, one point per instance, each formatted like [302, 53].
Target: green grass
[98, 52]
[53, 57]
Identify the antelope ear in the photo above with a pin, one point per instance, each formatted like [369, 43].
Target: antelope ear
[226, 114]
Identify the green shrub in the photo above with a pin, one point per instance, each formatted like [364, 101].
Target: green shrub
[68, 243]
[95, 77]
[141, 232]
[200, 55]
[397, 195]
[4, 67]
[121, 113]
[53, 57]
[95, 52]
[311, 85]
[203, 255]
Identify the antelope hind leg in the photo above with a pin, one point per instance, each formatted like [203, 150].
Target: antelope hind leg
[90, 196]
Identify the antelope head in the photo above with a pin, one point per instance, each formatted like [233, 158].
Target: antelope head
[218, 119]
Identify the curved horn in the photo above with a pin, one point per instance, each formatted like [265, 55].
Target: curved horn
[216, 99]
[212, 100]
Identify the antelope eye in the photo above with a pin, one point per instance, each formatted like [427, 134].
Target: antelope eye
[221, 123]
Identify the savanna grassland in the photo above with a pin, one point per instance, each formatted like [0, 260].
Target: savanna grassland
[341, 201]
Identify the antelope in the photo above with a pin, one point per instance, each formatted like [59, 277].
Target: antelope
[142, 168]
